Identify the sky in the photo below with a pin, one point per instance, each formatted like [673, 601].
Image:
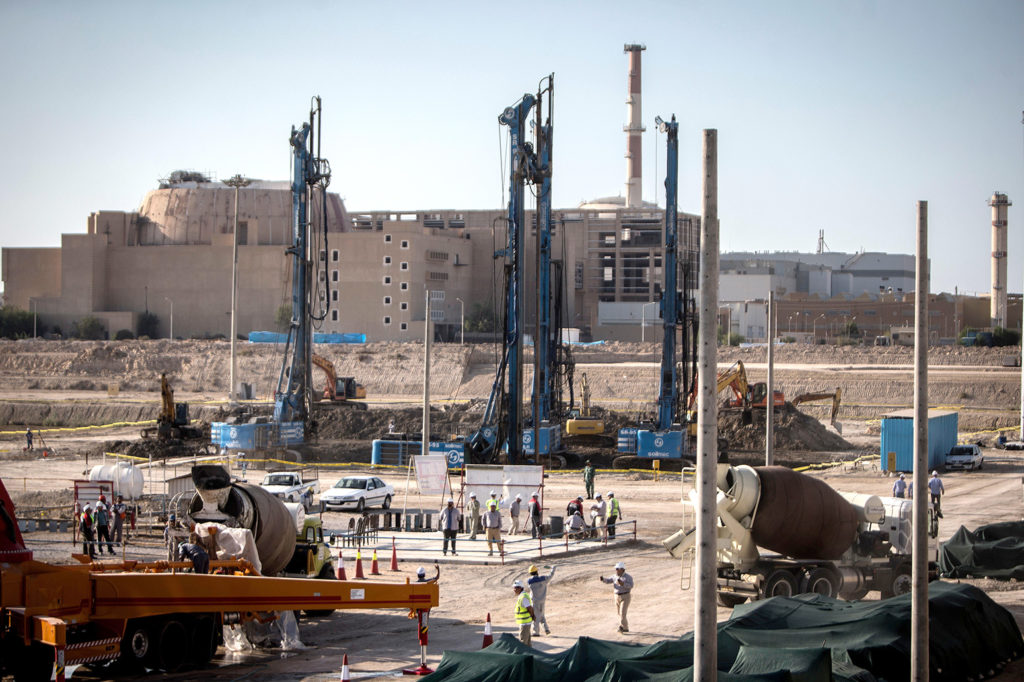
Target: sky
[834, 116]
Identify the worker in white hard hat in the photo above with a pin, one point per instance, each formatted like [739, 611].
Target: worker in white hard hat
[614, 514]
[622, 584]
[513, 514]
[575, 526]
[899, 487]
[448, 524]
[492, 526]
[539, 594]
[936, 489]
[421, 574]
[85, 527]
[524, 611]
[599, 517]
[493, 498]
[473, 511]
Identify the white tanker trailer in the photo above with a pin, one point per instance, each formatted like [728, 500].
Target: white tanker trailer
[822, 541]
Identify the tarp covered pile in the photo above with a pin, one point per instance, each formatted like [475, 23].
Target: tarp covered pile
[992, 551]
[809, 638]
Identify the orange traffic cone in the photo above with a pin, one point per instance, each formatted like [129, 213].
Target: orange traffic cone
[346, 676]
[374, 570]
[341, 567]
[394, 555]
[488, 635]
[359, 565]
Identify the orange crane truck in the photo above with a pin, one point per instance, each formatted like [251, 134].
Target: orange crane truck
[67, 615]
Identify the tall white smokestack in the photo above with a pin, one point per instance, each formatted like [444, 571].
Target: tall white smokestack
[999, 204]
[634, 129]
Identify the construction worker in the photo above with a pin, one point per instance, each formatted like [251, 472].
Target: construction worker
[536, 515]
[421, 574]
[614, 513]
[513, 513]
[473, 509]
[936, 489]
[103, 524]
[195, 552]
[120, 513]
[492, 526]
[899, 487]
[576, 527]
[448, 524]
[574, 506]
[28, 438]
[599, 516]
[538, 594]
[494, 498]
[85, 527]
[524, 612]
[622, 583]
[588, 480]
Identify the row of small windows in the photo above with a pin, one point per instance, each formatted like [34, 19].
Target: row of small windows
[404, 286]
[334, 256]
[437, 276]
[404, 264]
[405, 242]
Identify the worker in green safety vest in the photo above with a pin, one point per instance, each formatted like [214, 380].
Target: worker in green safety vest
[524, 612]
[614, 513]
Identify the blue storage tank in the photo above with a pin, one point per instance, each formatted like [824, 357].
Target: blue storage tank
[897, 448]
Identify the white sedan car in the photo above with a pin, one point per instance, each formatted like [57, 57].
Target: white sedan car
[966, 457]
[357, 492]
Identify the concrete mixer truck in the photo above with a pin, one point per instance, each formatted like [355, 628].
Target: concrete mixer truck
[817, 539]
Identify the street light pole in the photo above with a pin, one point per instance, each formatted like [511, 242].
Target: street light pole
[236, 182]
[32, 304]
[462, 321]
[814, 329]
[172, 316]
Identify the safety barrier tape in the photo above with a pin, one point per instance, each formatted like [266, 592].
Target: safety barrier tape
[81, 428]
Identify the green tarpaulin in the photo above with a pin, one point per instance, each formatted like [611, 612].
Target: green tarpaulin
[992, 551]
[807, 638]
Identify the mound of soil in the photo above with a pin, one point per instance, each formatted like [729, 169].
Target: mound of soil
[793, 430]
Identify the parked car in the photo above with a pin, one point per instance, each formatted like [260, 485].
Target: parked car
[357, 492]
[966, 457]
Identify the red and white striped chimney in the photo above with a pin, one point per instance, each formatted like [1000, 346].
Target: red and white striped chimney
[634, 128]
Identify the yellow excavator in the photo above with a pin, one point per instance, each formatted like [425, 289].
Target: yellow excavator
[173, 420]
[339, 390]
[581, 422]
[834, 397]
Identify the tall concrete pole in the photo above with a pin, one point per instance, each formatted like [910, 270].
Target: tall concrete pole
[999, 204]
[425, 448]
[919, 601]
[236, 182]
[769, 410]
[705, 641]
[634, 129]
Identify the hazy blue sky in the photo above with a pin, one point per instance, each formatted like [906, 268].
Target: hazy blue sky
[831, 115]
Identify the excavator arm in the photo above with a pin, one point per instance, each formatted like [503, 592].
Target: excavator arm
[835, 397]
[330, 392]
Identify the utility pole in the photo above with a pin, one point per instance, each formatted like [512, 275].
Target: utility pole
[172, 316]
[462, 321]
[769, 423]
[919, 572]
[705, 643]
[425, 448]
[236, 182]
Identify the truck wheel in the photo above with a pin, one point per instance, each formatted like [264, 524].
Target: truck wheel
[172, 646]
[899, 583]
[387, 502]
[326, 573]
[33, 663]
[780, 583]
[138, 646]
[823, 581]
[729, 600]
[204, 644]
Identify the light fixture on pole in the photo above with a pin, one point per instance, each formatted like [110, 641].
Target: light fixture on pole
[814, 329]
[236, 182]
[172, 316]
[462, 321]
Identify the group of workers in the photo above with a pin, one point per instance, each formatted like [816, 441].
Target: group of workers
[901, 489]
[95, 521]
[530, 605]
[603, 516]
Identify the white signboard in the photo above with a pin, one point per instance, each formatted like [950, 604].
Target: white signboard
[507, 481]
[431, 474]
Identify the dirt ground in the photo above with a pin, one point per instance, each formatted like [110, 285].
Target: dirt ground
[55, 386]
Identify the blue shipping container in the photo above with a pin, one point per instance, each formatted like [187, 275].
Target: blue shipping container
[397, 452]
[897, 447]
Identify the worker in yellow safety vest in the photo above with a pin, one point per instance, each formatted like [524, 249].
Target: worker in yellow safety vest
[524, 612]
[614, 513]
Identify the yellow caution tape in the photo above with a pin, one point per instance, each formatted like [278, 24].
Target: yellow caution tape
[82, 428]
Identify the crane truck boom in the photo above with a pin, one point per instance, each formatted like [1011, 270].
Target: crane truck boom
[821, 541]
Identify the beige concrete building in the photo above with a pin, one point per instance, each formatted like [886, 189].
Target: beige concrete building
[372, 274]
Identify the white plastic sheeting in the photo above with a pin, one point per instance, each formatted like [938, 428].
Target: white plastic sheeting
[128, 479]
[281, 632]
[232, 543]
[507, 481]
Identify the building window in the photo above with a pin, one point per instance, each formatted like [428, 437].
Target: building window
[405, 286]
[334, 255]
[323, 256]
[387, 300]
[404, 265]
[387, 319]
[322, 275]
[334, 295]
[609, 274]
[334, 316]
[387, 239]
[405, 243]
[437, 276]
[404, 326]
[387, 260]
[437, 255]
[405, 305]
[334, 275]
[387, 281]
